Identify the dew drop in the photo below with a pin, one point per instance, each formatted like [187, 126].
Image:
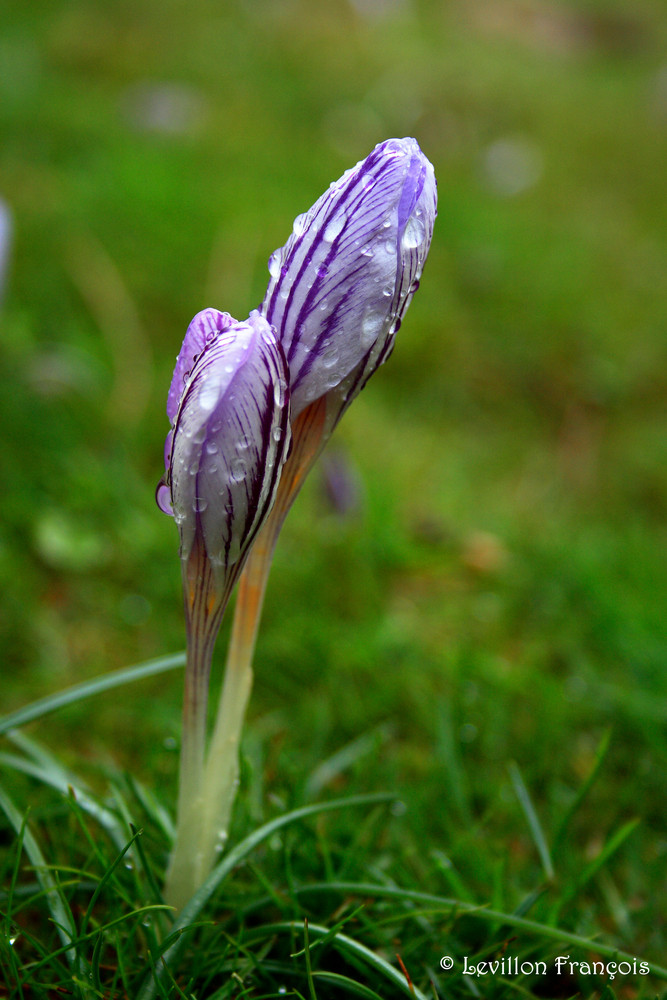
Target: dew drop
[208, 397]
[371, 326]
[199, 505]
[414, 234]
[212, 447]
[333, 228]
[279, 390]
[237, 470]
[274, 264]
[299, 225]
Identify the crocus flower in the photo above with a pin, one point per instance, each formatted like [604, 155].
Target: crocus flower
[228, 407]
[338, 292]
[341, 284]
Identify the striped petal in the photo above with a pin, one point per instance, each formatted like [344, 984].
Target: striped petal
[230, 436]
[203, 330]
[341, 284]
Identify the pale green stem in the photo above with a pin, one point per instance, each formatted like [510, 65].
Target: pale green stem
[205, 601]
[221, 773]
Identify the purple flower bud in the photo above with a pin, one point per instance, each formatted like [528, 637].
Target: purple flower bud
[229, 410]
[342, 282]
[5, 244]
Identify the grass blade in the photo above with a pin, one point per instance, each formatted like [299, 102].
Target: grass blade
[600, 754]
[64, 784]
[481, 913]
[612, 845]
[59, 909]
[353, 949]
[533, 822]
[43, 706]
[193, 908]
[309, 968]
[349, 984]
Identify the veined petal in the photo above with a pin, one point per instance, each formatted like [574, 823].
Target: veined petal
[341, 283]
[230, 439]
[203, 330]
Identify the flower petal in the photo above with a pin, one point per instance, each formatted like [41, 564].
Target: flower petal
[342, 281]
[203, 329]
[231, 437]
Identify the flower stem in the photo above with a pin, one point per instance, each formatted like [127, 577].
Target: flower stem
[205, 600]
[221, 771]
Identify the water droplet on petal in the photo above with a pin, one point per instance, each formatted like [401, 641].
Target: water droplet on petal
[279, 390]
[414, 234]
[299, 224]
[208, 397]
[371, 327]
[274, 264]
[333, 228]
[237, 470]
[329, 355]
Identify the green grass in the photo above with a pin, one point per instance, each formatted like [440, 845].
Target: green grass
[249, 928]
[482, 635]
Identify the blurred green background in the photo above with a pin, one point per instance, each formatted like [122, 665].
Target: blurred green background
[495, 587]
